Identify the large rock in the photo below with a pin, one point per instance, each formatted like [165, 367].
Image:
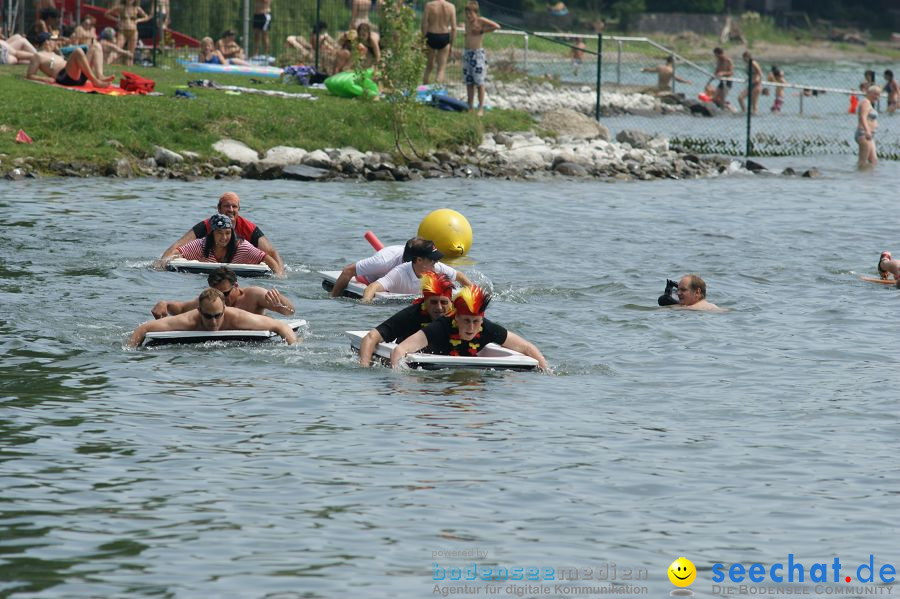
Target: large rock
[318, 159]
[236, 151]
[165, 157]
[570, 169]
[283, 156]
[301, 172]
[634, 138]
[566, 122]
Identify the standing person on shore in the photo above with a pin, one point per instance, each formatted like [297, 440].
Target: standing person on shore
[753, 86]
[262, 23]
[892, 89]
[130, 15]
[867, 123]
[474, 61]
[439, 29]
[724, 68]
[776, 75]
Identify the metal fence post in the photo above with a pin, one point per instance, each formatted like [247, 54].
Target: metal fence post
[748, 148]
[599, 70]
[525, 58]
[247, 28]
[155, 20]
[318, 33]
[619, 62]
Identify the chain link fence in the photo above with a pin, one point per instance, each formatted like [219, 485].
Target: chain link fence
[538, 70]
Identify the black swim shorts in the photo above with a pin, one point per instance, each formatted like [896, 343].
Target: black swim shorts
[262, 21]
[437, 41]
[63, 79]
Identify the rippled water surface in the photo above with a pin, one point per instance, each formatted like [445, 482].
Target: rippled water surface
[274, 471]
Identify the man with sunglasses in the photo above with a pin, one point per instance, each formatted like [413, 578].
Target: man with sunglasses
[255, 300]
[692, 295]
[213, 315]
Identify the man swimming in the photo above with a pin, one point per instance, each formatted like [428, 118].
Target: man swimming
[692, 295]
[255, 300]
[434, 303]
[213, 315]
[404, 279]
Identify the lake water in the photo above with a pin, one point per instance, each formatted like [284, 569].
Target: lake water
[275, 471]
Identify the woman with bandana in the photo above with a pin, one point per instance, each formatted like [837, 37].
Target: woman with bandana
[222, 245]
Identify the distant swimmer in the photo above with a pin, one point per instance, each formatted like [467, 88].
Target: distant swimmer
[437, 291]
[404, 279]
[229, 205]
[222, 244]
[692, 295]
[888, 266]
[255, 300]
[466, 332]
[666, 74]
[212, 314]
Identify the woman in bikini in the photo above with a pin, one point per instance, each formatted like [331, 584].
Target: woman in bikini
[867, 123]
[130, 15]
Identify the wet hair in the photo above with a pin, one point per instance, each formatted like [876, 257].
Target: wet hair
[223, 273]
[670, 59]
[776, 71]
[888, 74]
[209, 294]
[697, 284]
[717, 51]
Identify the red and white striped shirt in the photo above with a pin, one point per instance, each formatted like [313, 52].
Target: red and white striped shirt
[245, 253]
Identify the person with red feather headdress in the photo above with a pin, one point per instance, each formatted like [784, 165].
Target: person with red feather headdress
[466, 332]
[437, 289]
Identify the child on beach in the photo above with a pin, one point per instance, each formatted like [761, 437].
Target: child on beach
[474, 62]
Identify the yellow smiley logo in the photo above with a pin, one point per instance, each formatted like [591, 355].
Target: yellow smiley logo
[682, 572]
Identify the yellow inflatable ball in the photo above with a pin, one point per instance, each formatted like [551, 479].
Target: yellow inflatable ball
[449, 230]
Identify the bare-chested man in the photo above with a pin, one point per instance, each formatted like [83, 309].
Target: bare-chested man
[474, 60]
[439, 29]
[666, 73]
[692, 295]
[76, 71]
[262, 23]
[255, 300]
[213, 315]
[724, 68]
[755, 84]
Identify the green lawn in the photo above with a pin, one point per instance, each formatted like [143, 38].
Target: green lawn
[69, 125]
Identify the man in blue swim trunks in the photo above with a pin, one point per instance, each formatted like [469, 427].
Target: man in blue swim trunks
[74, 72]
[439, 29]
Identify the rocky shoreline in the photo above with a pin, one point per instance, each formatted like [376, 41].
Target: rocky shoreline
[574, 145]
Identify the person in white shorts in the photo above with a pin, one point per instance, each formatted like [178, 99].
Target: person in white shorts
[371, 268]
[404, 278]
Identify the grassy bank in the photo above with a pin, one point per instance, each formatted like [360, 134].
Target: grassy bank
[69, 125]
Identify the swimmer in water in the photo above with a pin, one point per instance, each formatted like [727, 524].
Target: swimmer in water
[692, 295]
[888, 266]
